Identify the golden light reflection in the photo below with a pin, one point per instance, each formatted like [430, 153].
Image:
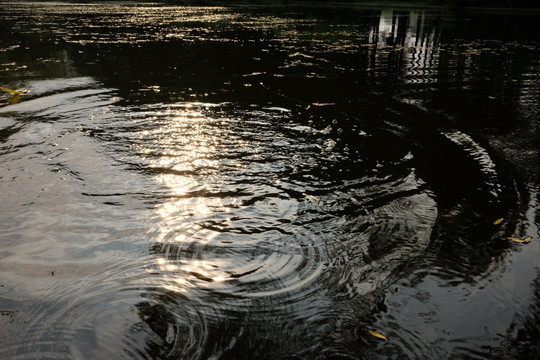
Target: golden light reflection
[189, 274]
[184, 151]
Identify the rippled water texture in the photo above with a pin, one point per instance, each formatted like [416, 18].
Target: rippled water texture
[255, 183]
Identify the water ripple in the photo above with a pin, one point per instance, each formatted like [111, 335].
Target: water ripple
[176, 203]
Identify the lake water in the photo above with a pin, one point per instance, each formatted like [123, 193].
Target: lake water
[268, 182]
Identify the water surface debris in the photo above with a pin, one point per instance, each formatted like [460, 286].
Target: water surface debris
[524, 240]
[498, 221]
[236, 275]
[311, 198]
[14, 99]
[379, 335]
[14, 92]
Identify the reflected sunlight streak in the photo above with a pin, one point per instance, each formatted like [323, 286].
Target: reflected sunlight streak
[185, 147]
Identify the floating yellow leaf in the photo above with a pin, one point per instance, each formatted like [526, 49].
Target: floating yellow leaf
[376, 334]
[14, 92]
[14, 99]
[498, 221]
[311, 198]
[525, 240]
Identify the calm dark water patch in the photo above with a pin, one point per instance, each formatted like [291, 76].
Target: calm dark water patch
[267, 182]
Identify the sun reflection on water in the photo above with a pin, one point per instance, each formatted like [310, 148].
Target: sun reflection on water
[184, 148]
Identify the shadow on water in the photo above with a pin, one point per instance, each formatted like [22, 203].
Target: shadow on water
[270, 183]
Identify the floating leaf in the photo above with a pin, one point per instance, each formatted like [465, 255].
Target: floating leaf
[311, 198]
[524, 240]
[14, 92]
[14, 99]
[498, 221]
[376, 334]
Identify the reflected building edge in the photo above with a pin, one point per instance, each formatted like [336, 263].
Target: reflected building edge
[404, 54]
[406, 51]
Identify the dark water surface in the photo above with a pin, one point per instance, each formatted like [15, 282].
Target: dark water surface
[268, 183]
